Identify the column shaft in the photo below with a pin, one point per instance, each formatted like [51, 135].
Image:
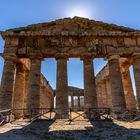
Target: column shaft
[44, 102]
[118, 99]
[7, 84]
[104, 94]
[99, 95]
[128, 90]
[52, 102]
[33, 97]
[109, 96]
[90, 97]
[19, 91]
[78, 101]
[26, 88]
[62, 88]
[136, 68]
[72, 102]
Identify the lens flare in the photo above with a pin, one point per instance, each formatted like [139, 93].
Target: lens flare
[79, 11]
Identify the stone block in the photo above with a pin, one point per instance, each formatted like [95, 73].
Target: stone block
[130, 41]
[138, 41]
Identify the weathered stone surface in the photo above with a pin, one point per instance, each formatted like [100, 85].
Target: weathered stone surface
[33, 97]
[99, 94]
[118, 99]
[75, 91]
[62, 88]
[76, 36]
[127, 85]
[19, 91]
[136, 67]
[62, 39]
[126, 80]
[72, 101]
[79, 101]
[130, 41]
[104, 94]
[70, 24]
[7, 84]
[102, 74]
[109, 94]
[26, 88]
[90, 96]
[46, 91]
[138, 41]
[46, 94]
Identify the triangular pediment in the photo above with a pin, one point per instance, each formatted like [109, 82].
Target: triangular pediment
[76, 24]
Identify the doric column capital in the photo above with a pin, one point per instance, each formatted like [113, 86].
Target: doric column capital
[61, 56]
[36, 57]
[136, 56]
[11, 57]
[124, 64]
[86, 57]
[113, 57]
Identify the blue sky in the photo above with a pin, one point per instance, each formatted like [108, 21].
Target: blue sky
[16, 13]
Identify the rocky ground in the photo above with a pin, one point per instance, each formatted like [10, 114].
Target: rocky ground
[77, 130]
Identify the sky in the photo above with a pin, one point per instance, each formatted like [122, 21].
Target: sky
[17, 13]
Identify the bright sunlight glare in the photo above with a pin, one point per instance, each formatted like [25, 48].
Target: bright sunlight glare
[78, 11]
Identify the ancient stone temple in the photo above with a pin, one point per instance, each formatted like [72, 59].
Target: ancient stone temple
[18, 96]
[71, 38]
[79, 94]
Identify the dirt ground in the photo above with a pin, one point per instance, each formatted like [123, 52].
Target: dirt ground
[77, 130]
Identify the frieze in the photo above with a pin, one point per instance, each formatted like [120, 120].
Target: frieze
[76, 45]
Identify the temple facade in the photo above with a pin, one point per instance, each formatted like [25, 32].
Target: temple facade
[71, 38]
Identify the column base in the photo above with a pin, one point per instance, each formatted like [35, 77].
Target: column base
[62, 114]
[88, 114]
[119, 115]
[31, 113]
[18, 114]
[115, 115]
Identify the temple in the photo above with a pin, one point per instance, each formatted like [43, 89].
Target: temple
[23, 85]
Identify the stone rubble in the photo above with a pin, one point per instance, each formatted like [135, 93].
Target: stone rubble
[78, 130]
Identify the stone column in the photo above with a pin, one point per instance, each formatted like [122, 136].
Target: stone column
[33, 97]
[72, 102]
[90, 97]
[19, 90]
[78, 101]
[26, 87]
[128, 89]
[136, 68]
[7, 83]
[118, 99]
[109, 96]
[43, 98]
[52, 101]
[104, 94]
[62, 88]
[99, 94]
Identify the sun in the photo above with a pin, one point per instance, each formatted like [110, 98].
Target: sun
[78, 11]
